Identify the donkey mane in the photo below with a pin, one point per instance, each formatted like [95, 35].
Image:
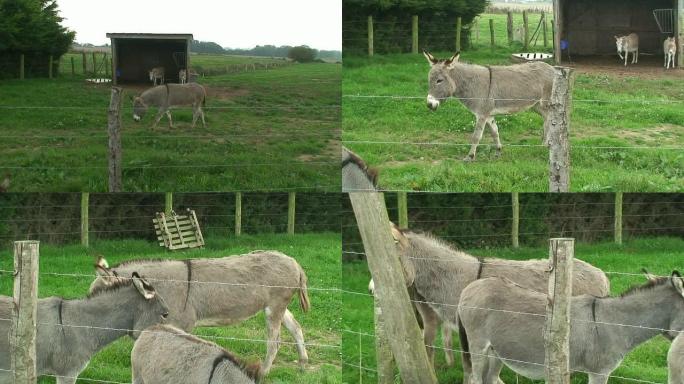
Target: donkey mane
[657, 282]
[115, 286]
[432, 237]
[353, 158]
[138, 261]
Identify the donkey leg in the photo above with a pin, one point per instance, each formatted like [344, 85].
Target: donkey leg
[296, 330]
[158, 118]
[495, 135]
[204, 123]
[476, 137]
[430, 325]
[448, 345]
[67, 378]
[595, 378]
[168, 116]
[274, 318]
[194, 117]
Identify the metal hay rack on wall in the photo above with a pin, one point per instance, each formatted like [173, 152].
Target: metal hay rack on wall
[178, 231]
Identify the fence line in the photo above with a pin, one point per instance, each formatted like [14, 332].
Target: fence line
[606, 101]
[507, 145]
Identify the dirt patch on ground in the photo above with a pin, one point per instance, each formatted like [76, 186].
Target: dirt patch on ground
[648, 67]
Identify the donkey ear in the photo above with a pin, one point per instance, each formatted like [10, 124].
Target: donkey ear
[453, 59]
[649, 276]
[143, 286]
[398, 236]
[431, 59]
[678, 282]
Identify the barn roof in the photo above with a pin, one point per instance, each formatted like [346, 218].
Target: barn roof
[160, 36]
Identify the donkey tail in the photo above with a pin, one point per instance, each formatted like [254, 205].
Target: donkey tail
[467, 363]
[303, 291]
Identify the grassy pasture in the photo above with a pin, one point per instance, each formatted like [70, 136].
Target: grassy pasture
[319, 255]
[633, 111]
[266, 129]
[647, 362]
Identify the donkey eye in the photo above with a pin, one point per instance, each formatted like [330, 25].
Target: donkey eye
[439, 81]
[165, 315]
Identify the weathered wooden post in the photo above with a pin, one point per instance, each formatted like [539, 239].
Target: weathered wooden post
[390, 288]
[679, 23]
[491, 32]
[515, 224]
[291, 212]
[383, 351]
[21, 66]
[509, 27]
[618, 217]
[24, 312]
[557, 331]
[557, 31]
[94, 63]
[73, 67]
[402, 208]
[459, 22]
[557, 128]
[370, 35]
[526, 31]
[543, 23]
[85, 62]
[168, 203]
[51, 64]
[414, 34]
[104, 64]
[238, 213]
[477, 30]
[114, 132]
[85, 227]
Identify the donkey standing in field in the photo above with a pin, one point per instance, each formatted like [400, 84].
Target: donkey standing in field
[627, 44]
[166, 355]
[225, 291]
[489, 91]
[157, 73]
[169, 96]
[70, 332]
[675, 361]
[438, 273]
[670, 51]
[356, 175]
[183, 76]
[502, 323]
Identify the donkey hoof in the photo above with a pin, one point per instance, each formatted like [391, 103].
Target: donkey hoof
[469, 158]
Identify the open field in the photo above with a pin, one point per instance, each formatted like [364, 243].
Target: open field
[266, 130]
[319, 255]
[647, 362]
[612, 111]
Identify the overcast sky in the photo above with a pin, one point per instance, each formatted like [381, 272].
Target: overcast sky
[230, 23]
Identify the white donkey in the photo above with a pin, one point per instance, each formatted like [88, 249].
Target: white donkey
[627, 44]
[670, 51]
[183, 76]
[157, 73]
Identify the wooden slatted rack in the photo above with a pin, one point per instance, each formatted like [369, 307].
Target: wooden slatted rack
[178, 231]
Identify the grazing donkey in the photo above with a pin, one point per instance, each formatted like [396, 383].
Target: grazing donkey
[675, 361]
[225, 291]
[438, 273]
[627, 44]
[169, 96]
[166, 355]
[356, 175]
[70, 332]
[157, 73]
[502, 323]
[670, 51]
[489, 91]
[183, 76]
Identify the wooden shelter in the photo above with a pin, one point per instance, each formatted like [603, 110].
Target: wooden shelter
[589, 25]
[134, 54]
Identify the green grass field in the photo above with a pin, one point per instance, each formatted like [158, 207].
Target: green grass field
[647, 362]
[275, 129]
[634, 111]
[319, 255]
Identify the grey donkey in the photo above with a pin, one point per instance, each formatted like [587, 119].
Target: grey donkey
[502, 323]
[627, 44]
[488, 91]
[356, 175]
[164, 354]
[438, 273]
[70, 332]
[670, 51]
[169, 96]
[225, 291]
[675, 361]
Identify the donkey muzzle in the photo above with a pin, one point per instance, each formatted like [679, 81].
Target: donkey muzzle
[432, 103]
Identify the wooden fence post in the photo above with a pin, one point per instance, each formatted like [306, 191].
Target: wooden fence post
[73, 67]
[543, 21]
[104, 64]
[370, 35]
[557, 128]
[24, 312]
[114, 132]
[515, 225]
[94, 63]
[680, 33]
[390, 288]
[291, 213]
[477, 31]
[557, 331]
[383, 351]
[491, 32]
[618, 218]
[238, 213]
[414, 34]
[168, 203]
[50, 67]
[556, 30]
[526, 32]
[85, 198]
[459, 22]
[402, 207]
[21, 66]
[509, 27]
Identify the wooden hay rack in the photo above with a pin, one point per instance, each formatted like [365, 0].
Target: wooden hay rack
[178, 231]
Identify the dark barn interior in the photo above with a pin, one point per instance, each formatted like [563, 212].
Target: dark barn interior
[135, 54]
[589, 25]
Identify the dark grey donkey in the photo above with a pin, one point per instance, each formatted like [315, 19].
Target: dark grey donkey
[490, 91]
[70, 332]
[169, 96]
[167, 355]
[438, 274]
[225, 291]
[502, 323]
[356, 175]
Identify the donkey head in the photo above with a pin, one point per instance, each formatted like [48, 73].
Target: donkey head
[619, 43]
[139, 108]
[150, 310]
[441, 84]
[402, 244]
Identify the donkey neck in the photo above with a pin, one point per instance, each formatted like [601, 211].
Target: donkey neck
[470, 80]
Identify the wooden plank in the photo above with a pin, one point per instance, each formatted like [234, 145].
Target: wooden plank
[557, 331]
[557, 127]
[24, 312]
[618, 217]
[198, 231]
[85, 197]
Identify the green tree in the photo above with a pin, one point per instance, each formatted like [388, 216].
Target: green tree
[302, 54]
